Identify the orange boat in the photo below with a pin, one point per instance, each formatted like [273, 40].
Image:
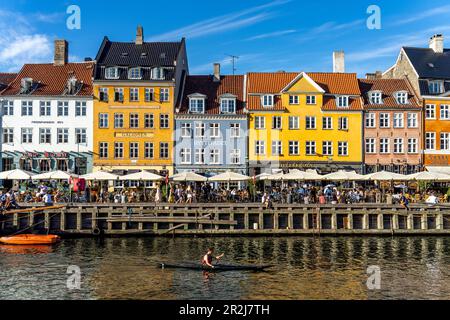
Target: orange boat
[25, 239]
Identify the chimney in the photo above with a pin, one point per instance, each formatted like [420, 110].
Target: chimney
[378, 74]
[61, 52]
[216, 74]
[139, 35]
[437, 43]
[338, 62]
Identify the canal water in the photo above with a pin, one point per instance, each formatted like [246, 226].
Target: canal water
[303, 268]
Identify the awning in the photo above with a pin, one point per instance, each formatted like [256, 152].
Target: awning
[445, 170]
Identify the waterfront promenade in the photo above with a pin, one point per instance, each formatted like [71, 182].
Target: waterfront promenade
[231, 219]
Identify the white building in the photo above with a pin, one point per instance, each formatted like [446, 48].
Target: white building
[48, 116]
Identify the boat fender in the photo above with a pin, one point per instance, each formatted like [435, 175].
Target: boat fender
[96, 231]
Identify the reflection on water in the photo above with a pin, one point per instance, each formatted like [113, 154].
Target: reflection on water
[304, 268]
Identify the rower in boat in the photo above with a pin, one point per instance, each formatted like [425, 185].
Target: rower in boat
[208, 257]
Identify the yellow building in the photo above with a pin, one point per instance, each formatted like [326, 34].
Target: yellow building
[304, 121]
[136, 87]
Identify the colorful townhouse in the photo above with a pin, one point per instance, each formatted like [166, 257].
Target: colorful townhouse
[428, 70]
[211, 125]
[392, 126]
[47, 116]
[136, 88]
[304, 121]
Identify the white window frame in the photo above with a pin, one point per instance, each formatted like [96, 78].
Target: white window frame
[277, 122]
[199, 157]
[436, 86]
[294, 148]
[401, 97]
[413, 120]
[385, 120]
[235, 130]
[430, 111]
[214, 130]
[228, 105]
[311, 99]
[399, 146]
[413, 145]
[376, 97]
[294, 99]
[343, 101]
[430, 140]
[164, 95]
[294, 122]
[327, 123]
[186, 130]
[444, 141]
[260, 122]
[342, 146]
[384, 146]
[371, 146]
[343, 123]
[114, 75]
[310, 148]
[235, 156]
[260, 147]
[267, 100]
[199, 131]
[399, 120]
[371, 120]
[27, 106]
[444, 112]
[135, 73]
[185, 156]
[277, 148]
[196, 105]
[214, 156]
[310, 123]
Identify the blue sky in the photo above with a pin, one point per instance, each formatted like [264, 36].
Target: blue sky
[267, 35]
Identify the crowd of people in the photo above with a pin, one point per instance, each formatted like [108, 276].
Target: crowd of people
[179, 193]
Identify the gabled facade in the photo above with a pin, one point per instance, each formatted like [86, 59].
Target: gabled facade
[392, 126]
[211, 125]
[47, 117]
[304, 120]
[428, 70]
[137, 86]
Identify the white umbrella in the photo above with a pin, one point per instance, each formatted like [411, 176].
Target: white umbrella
[295, 174]
[188, 176]
[228, 176]
[16, 174]
[141, 176]
[385, 176]
[342, 175]
[428, 176]
[53, 175]
[263, 176]
[276, 177]
[100, 176]
[311, 174]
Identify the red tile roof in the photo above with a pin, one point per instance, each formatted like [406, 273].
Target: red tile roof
[388, 87]
[213, 90]
[53, 79]
[6, 78]
[331, 83]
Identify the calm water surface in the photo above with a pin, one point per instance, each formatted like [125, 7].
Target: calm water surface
[304, 268]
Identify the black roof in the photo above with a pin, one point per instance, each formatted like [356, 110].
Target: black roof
[128, 54]
[429, 64]
[425, 91]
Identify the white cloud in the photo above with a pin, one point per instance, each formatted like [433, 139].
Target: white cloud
[425, 14]
[222, 23]
[20, 44]
[271, 35]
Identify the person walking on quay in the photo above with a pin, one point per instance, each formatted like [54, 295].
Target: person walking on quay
[158, 195]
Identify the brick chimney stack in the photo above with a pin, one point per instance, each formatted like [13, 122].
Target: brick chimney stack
[437, 43]
[139, 35]
[61, 52]
[338, 62]
[216, 74]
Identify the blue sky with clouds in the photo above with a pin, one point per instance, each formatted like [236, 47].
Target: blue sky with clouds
[267, 35]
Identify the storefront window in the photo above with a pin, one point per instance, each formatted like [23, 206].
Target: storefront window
[44, 165]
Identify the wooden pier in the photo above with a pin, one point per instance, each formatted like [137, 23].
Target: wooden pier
[231, 219]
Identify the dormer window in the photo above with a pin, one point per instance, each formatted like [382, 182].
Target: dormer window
[135, 73]
[197, 103]
[342, 101]
[401, 97]
[436, 87]
[228, 103]
[375, 97]
[112, 73]
[267, 100]
[158, 73]
[72, 86]
[26, 85]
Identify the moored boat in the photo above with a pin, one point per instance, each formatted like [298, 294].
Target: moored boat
[27, 239]
[217, 267]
